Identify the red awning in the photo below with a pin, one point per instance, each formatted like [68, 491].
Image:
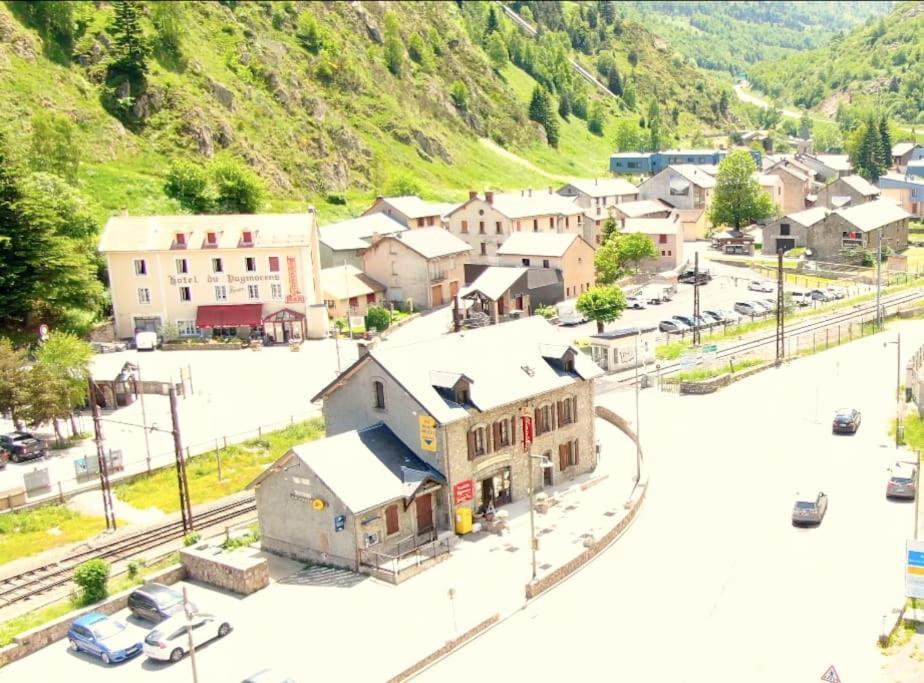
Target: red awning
[234, 315]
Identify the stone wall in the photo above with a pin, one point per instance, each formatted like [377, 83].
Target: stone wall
[34, 640]
[233, 571]
[914, 379]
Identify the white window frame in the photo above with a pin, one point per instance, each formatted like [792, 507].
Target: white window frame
[253, 292]
[180, 292]
[144, 267]
[221, 293]
[182, 266]
[187, 328]
[276, 291]
[247, 261]
[144, 300]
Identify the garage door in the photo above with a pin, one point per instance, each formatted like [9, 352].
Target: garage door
[785, 244]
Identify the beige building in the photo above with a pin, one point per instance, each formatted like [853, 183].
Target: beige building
[485, 223]
[222, 275]
[772, 186]
[667, 236]
[345, 242]
[425, 266]
[599, 197]
[688, 189]
[349, 291]
[411, 211]
[798, 184]
[569, 253]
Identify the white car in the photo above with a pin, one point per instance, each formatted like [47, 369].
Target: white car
[760, 286]
[836, 292]
[635, 302]
[170, 641]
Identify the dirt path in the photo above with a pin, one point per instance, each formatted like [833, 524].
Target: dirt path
[494, 147]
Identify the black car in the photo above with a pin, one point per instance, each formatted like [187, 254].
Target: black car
[23, 446]
[693, 277]
[155, 602]
[846, 421]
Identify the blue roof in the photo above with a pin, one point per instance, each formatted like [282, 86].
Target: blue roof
[89, 619]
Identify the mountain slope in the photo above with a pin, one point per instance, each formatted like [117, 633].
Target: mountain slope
[880, 64]
[733, 36]
[303, 93]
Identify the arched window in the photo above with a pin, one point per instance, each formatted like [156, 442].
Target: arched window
[379, 394]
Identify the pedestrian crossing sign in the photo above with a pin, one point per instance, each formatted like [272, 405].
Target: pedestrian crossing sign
[831, 675]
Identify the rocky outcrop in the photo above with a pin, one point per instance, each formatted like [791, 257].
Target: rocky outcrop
[20, 43]
[372, 27]
[429, 147]
[221, 93]
[196, 127]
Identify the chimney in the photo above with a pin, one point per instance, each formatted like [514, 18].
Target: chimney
[550, 190]
[472, 194]
[529, 192]
[489, 197]
[374, 238]
[595, 182]
[522, 193]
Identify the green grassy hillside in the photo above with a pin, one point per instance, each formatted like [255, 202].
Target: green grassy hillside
[879, 64]
[302, 93]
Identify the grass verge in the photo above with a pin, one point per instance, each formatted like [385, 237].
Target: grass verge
[240, 464]
[700, 374]
[27, 532]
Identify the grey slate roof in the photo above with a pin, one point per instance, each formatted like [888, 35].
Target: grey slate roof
[551, 244]
[357, 232]
[433, 242]
[366, 468]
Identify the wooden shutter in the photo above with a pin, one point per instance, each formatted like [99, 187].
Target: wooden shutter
[496, 428]
[551, 416]
[562, 455]
[471, 445]
[574, 409]
[513, 430]
[575, 457]
[488, 443]
[537, 424]
[561, 412]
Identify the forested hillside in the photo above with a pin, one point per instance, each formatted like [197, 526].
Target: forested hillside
[733, 36]
[880, 64]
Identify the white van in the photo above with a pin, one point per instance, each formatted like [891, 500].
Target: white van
[568, 313]
[146, 341]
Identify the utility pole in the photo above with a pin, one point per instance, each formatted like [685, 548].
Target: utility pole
[182, 484]
[532, 504]
[638, 430]
[780, 309]
[189, 632]
[879, 280]
[696, 331]
[898, 393]
[108, 508]
[144, 416]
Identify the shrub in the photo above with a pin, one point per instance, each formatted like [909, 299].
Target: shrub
[337, 199]
[134, 569]
[93, 577]
[378, 318]
[192, 539]
[546, 311]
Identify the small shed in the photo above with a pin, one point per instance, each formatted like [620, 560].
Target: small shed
[616, 350]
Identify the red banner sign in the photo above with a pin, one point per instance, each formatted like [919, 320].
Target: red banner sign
[526, 426]
[463, 492]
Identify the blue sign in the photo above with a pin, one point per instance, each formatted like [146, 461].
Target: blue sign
[339, 522]
[916, 558]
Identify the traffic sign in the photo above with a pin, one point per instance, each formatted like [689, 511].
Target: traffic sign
[831, 675]
[427, 433]
[710, 348]
[914, 569]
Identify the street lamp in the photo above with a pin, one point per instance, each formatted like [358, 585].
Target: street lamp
[898, 387]
[544, 464]
[638, 447]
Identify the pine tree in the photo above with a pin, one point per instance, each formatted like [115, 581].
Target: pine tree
[492, 23]
[564, 104]
[654, 125]
[608, 11]
[131, 48]
[868, 155]
[613, 81]
[540, 111]
[885, 143]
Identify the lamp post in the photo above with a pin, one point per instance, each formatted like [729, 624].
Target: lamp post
[543, 464]
[898, 389]
[638, 448]
[879, 282]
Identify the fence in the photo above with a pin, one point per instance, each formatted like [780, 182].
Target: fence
[47, 487]
[409, 553]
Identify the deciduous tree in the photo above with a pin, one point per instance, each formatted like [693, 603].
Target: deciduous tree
[602, 304]
[12, 381]
[633, 248]
[53, 146]
[237, 188]
[68, 358]
[738, 200]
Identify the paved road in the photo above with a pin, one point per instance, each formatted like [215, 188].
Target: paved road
[712, 583]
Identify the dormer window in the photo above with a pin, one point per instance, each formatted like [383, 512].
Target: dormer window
[247, 237]
[180, 239]
[211, 239]
[461, 395]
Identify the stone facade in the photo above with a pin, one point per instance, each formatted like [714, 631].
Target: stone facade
[839, 187]
[830, 238]
[233, 571]
[796, 187]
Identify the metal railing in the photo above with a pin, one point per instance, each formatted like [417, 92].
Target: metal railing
[407, 553]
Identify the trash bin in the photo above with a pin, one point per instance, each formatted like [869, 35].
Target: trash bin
[643, 382]
[463, 521]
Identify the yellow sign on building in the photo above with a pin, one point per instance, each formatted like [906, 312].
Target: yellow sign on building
[427, 433]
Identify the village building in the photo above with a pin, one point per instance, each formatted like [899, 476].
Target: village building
[798, 184]
[568, 253]
[848, 190]
[772, 186]
[344, 242]
[666, 235]
[216, 275]
[642, 208]
[827, 167]
[624, 349]
[502, 292]
[486, 222]
[792, 230]
[860, 227]
[598, 197]
[904, 153]
[650, 163]
[420, 268]
[907, 190]
[412, 212]
[688, 189]
[349, 291]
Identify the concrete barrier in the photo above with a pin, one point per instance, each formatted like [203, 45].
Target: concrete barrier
[450, 645]
[35, 639]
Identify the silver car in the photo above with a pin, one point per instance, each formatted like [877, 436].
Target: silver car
[809, 509]
[901, 482]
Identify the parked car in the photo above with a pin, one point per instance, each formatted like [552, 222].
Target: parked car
[23, 446]
[268, 676]
[656, 294]
[4, 457]
[760, 286]
[809, 509]
[147, 341]
[748, 308]
[170, 640]
[568, 313]
[692, 277]
[846, 420]
[800, 298]
[768, 302]
[155, 602]
[686, 320]
[836, 292]
[902, 482]
[762, 306]
[725, 316]
[819, 295]
[673, 326]
[635, 302]
[103, 637]
[713, 318]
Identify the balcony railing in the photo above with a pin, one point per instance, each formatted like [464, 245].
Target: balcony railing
[437, 277]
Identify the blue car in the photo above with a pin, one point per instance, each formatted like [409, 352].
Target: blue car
[102, 637]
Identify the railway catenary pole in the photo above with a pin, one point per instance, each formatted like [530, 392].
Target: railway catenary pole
[108, 508]
[780, 309]
[696, 331]
[182, 484]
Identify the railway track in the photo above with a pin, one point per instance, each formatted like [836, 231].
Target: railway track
[853, 315]
[27, 585]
